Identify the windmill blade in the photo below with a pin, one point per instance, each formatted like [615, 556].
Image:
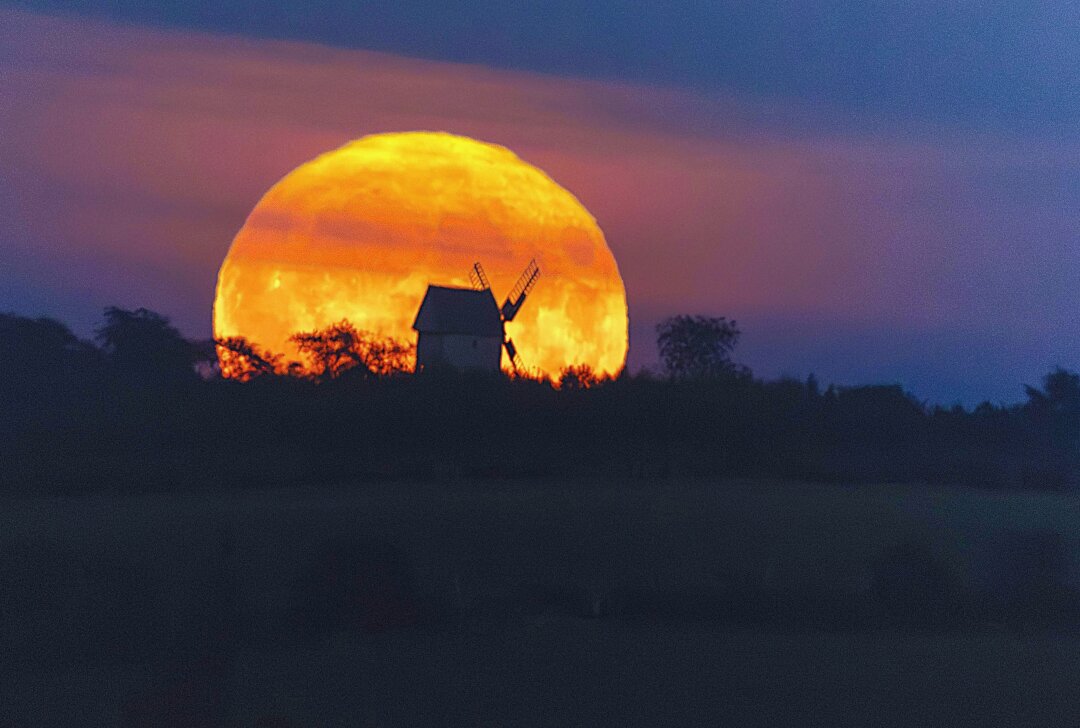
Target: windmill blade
[512, 353]
[525, 283]
[479, 278]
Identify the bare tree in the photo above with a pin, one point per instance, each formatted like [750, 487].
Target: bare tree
[242, 360]
[341, 347]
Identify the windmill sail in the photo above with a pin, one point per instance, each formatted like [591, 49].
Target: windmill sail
[512, 353]
[520, 290]
[478, 278]
[525, 282]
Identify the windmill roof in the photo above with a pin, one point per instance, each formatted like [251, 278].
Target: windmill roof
[446, 310]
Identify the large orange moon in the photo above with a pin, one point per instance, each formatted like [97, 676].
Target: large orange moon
[359, 232]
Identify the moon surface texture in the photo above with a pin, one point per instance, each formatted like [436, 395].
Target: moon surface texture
[359, 232]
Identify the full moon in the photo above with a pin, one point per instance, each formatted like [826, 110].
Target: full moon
[359, 232]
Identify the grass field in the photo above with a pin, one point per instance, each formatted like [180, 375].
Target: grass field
[522, 603]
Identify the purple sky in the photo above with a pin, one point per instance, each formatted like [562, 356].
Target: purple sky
[866, 242]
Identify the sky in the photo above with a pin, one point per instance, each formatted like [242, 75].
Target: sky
[877, 191]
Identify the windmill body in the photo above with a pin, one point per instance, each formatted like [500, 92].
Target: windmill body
[464, 329]
[458, 328]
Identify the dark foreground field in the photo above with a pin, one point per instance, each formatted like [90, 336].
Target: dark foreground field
[541, 603]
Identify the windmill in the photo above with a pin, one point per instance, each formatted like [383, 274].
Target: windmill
[514, 300]
[465, 329]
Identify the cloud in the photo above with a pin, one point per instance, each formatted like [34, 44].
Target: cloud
[987, 64]
[131, 156]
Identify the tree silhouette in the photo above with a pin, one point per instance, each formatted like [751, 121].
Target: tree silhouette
[697, 347]
[1057, 408]
[1060, 393]
[386, 356]
[243, 361]
[341, 348]
[40, 344]
[144, 344]
[41, 354]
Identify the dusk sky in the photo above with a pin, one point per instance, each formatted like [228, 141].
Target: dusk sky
[876, 191]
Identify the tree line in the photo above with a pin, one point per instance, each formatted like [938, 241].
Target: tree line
[142, 408]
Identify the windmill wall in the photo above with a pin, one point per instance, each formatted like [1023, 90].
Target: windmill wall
[458, 351]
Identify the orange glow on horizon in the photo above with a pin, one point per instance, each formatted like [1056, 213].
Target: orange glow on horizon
[358, 233]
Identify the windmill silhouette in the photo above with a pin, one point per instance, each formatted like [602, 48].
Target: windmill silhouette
[465, 329]
[514, 300]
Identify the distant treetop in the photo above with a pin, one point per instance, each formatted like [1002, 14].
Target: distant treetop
[697, 347]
